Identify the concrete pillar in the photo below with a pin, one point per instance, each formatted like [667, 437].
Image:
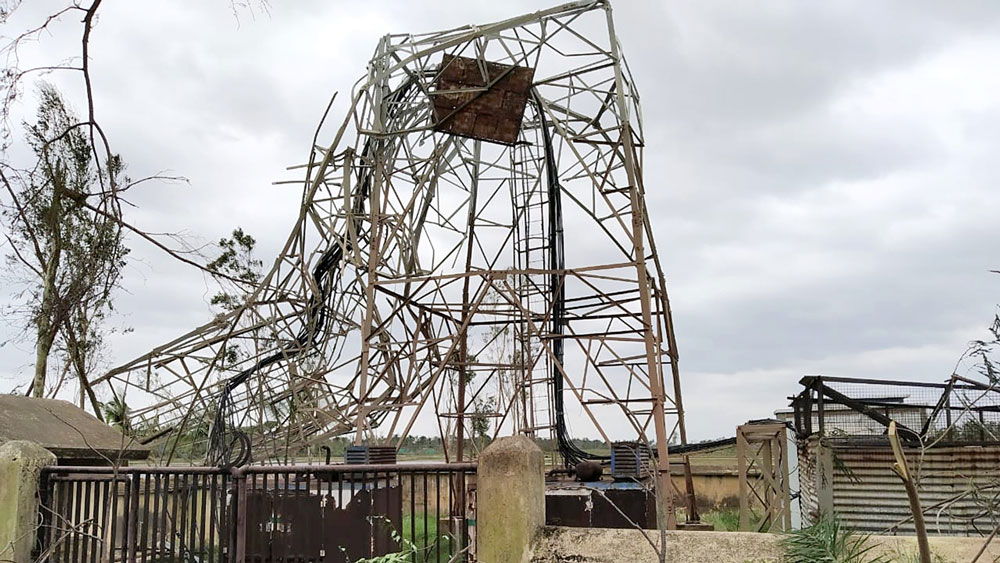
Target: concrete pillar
[21, 463]
[510, 499]
[824, 477]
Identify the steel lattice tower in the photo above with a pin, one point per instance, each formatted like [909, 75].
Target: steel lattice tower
[472, 244]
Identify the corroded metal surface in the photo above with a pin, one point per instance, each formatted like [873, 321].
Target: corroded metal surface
[481, 100]
[868, 496]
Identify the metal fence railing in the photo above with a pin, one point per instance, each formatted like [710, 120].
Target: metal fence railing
[320, 513]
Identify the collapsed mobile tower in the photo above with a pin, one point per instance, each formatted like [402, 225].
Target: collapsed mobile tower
[472, 244]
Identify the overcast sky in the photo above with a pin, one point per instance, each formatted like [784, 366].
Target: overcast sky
[821, 176]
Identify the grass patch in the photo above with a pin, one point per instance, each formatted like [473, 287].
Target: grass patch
[434, 545]
[724, 519]
[914, 557]
[827, 541]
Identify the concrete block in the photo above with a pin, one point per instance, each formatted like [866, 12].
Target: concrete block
[21, 463]
[510, 499]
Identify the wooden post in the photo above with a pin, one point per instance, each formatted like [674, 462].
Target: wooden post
[741, 456]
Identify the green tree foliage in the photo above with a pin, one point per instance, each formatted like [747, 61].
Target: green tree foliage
[72, 254]
[116, 414]
[481, 419]
[236, 260]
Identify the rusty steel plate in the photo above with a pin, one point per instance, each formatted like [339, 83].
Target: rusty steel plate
[480, 99]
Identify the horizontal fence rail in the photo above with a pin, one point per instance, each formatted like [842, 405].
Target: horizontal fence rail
[261, 514]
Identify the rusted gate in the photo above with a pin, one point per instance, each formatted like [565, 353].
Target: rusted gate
[276, 514]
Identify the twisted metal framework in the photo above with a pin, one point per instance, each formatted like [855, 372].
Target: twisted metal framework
[450, 265]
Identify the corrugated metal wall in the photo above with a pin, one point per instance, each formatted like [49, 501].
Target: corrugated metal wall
[868, 496]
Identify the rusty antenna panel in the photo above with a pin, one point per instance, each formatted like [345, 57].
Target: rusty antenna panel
[473, 245]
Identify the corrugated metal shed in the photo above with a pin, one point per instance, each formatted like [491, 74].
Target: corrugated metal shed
[868, 496]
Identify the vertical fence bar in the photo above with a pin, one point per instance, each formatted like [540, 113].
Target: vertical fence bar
[63, 518]
[379, 520]
[437, 512]
[132, 490]
[452, 511]
[100, 533]
[462, 520]
[212, 506]
[44, 537]
[93, 529]
[424, 539]
[228, 516]
[182, 539]
[328, 514]
[201, 520]
[155, 524]
[115, 529]
[65, 528]
[149, 543]
[75, 522]
[413, 515]
[174, 511]
[110, 492]
[241, 519]
[51, 516]
[227, 534]
[85, 526]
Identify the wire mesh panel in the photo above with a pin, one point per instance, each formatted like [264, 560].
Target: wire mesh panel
[959, 411]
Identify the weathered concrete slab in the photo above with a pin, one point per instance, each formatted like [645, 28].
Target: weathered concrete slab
[601, 545]
[73, 435]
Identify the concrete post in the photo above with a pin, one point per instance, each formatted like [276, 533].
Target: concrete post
[824, 477]
[510, 499]
[21, 464]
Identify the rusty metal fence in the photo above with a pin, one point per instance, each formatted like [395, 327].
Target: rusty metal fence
[261, 514]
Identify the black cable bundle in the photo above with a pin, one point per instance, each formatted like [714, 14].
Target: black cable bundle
[571, 453]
